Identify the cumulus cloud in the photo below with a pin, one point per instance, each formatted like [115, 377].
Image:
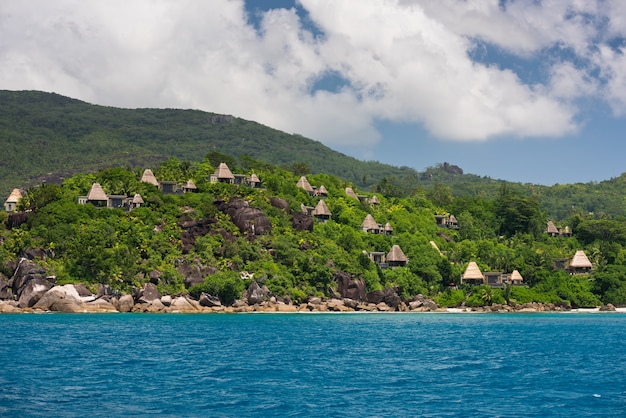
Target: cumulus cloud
[396, 60]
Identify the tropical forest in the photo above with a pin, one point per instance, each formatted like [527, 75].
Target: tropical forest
[300, 226]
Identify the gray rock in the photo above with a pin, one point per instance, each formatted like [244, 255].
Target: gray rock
[59, 296]
[125, 303]
[350, 288]
[82, 290]
[255, 294]
[26, 271]
[5, 290]
[209, 300]
[166, 300]
[181, 304]
[32, 292]
[149, 292]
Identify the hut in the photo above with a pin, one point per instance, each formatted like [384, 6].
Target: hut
[136, 202]
[472, 274]
[321, 211]
[148, 177]
[222, 174]
[552, 229]
[10, 205]
[96, 196]
[189, 187]
[388, 229]
[254, 181]
[580, 264]
[370, 225]
[303, 183]
[396, 257]
[516, 279]
[321, 191]
[374, 200]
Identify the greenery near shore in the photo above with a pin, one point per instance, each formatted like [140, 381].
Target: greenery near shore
[125, 249]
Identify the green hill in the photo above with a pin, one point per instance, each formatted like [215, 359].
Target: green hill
[46, 137]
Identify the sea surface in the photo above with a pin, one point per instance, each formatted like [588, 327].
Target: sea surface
[313, 365]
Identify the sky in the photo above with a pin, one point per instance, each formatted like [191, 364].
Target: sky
[527, 91]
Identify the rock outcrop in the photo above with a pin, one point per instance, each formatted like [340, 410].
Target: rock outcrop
[256, 294]
[350, 288]
[249, 220]
[302, 222]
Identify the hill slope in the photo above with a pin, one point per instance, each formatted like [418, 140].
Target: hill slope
[46, 134]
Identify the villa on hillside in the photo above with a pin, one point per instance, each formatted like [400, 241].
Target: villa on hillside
[553, 231]
[474, 276]
[444, 221]
[579, 264]
[321, 212]
[223, 174]
[394, 258]
[10, 205]
[168, 187]
[370, 225]
[99, 198]
[303, 183]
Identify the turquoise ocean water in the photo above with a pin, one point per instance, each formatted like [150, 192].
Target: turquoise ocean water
[313, 365]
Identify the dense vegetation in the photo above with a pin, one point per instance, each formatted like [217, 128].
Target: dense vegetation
[501, 233]
[49, 137]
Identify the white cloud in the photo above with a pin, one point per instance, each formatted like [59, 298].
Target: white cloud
[403, 60]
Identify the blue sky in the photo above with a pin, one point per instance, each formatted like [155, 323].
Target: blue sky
[528, 91]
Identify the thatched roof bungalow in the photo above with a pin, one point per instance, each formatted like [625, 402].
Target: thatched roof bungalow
[321, 211]
[10, 205]
[472, 274]
[148, 177]
[303, 183]
[396, 257]
[580, 264]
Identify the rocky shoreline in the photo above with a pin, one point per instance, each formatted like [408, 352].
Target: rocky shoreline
[30, 291]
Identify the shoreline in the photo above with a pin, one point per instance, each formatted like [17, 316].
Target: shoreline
[184, 304]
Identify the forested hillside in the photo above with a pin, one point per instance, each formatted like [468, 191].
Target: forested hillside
[48, 137]
[195, 242]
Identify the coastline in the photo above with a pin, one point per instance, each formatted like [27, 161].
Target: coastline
[185, 304]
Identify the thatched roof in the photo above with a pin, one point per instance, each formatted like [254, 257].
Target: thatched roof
[351, 193]
[321, 209]
[304, 183]
[190, 185]
[254, 178]
[223, 172]
[137, 199]
[148, 177]
[516, 277]
[14, 197]
[374, 200]
[472, 272]
[580, 260]
[369, 223]
[388, 227]
[96, 193]
[452, 219]
[396, 255]
[322, 190]
[552, 229]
